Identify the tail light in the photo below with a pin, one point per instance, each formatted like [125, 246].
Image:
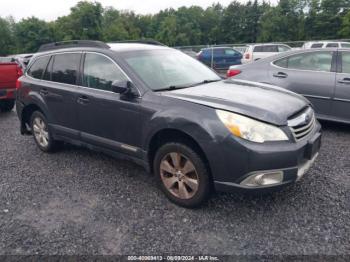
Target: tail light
[247, 56]
[19, 71]
[233, 72]
[18, 84]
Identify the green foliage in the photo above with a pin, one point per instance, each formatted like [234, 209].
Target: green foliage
[239, 22]
[6, 36]
[30, 33]
[345, 28]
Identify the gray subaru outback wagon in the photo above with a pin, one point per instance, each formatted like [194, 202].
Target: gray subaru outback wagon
[163, 109]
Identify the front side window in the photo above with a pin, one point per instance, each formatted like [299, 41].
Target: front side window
[230, 52]
[38, 67]
[282, 63]
[100, 72]
[160, 69]
[346, 62]
[319, 61]
[282, 48]
[65, 68]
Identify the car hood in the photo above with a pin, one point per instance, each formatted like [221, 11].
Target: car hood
[260, 101]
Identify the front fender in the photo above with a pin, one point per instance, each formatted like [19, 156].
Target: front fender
[202, 125]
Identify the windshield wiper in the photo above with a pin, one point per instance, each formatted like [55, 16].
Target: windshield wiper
[175, 87]
[169, 88]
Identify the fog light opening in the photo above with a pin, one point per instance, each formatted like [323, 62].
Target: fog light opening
[263, 179]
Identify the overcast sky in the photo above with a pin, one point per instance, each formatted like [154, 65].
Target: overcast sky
[51, 9]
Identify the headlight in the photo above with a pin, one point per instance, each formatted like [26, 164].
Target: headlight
[250, 129]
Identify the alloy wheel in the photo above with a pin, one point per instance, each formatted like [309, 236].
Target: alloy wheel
[179, 175]
[41, 133]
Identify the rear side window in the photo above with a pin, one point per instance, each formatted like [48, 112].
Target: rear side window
[316, 61]
[317, 45]
[332, 45]
[100, 72]
[346, 62]
[65, 68]
[266, 49]
[38, 67]
[345, 45]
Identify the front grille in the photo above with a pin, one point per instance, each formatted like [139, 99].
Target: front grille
[303, 124]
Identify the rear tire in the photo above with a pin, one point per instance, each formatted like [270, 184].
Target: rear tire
[182, 174]
[7, 105]
[41, 132]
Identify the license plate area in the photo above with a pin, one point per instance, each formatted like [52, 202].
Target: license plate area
[313, 146]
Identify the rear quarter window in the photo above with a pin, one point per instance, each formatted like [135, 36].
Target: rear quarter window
[38, 67]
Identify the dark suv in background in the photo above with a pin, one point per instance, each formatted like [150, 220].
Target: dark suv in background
[170, 113]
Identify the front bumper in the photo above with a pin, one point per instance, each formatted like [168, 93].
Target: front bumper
[240, 160]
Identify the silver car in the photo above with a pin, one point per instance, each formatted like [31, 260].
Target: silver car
[321, 75]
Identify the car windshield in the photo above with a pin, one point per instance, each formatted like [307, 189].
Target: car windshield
[169, 69]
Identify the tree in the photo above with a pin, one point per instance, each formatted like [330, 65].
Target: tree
[31, 33]
[7, 43]
[84, 22]
[345, 28]
[283, 22]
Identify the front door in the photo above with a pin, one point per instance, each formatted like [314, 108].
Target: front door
[105, 118]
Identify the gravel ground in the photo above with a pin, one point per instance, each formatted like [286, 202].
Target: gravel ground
[80, 202]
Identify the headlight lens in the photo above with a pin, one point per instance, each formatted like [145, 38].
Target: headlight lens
[250, 129]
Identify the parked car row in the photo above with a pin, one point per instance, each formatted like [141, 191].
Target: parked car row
[320, 75]
[157, 106]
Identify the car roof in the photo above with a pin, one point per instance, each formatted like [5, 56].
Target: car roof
[267, 44]
[115, 47]
[122, 47]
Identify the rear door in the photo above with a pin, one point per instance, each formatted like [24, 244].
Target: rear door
[311, 74]
[341, 103]
[60, 90]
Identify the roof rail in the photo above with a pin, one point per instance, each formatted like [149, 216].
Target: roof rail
[72, 43]
[141, 41]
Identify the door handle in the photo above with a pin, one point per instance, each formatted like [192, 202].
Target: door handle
[83, 100]
[344, 81]
[280, 75]
[44, 92]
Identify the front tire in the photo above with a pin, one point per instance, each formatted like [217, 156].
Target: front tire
[7, 105]
[41, 132]
[182, 175]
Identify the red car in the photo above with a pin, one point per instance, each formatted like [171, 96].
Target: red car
[9, 73]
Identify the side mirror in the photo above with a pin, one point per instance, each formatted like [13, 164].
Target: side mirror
[121, 87]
